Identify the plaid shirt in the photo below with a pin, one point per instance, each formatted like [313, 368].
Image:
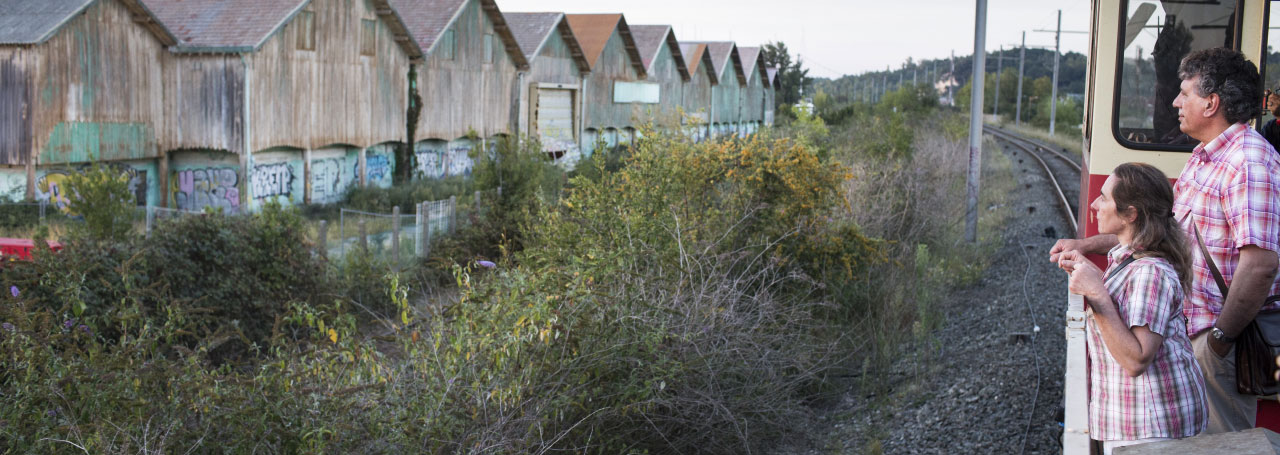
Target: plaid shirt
[1230, 187]
[1168, 399]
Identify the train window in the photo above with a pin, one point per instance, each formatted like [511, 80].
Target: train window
[1271, 60]
[1154, 37]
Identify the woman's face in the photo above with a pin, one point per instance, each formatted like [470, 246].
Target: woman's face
[1110, 221]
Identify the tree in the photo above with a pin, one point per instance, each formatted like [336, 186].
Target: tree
[792, 76]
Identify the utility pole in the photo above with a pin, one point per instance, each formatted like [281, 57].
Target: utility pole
[914, 71]
[952, 74]
[975, 122]
[1057, 51]
[884, 86]
[995, 110]
[1022, 59]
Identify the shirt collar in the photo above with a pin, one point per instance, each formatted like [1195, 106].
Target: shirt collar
[1118, 254]
[1205, 153]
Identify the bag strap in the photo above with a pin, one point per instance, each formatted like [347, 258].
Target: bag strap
[1123, 264]
[1213, 268]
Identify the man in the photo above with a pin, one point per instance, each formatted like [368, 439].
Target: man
[1270, 129]
[1229, 186]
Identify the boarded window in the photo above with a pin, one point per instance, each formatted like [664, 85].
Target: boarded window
[636, 92]
[488, 48]
[307, 30]
[368, 37]
[446, 45]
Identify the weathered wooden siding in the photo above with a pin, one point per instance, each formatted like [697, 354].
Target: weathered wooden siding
[751, 104]
[96, 90]
[332, 95]
[665, 72]
[466, 94]
[613, 65]
[16, 64]
[727, 96]
[554, 64]
[204, 102]
[697, 92]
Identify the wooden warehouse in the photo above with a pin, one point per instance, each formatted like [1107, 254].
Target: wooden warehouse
[293, 101]
[551, 94]
[697, 92]
[664, 65]
[771, 95]
[726, 95]
[469, 81]
[616, 90]
[80, 81]
[751, 105]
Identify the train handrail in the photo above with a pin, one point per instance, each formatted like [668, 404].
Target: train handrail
[1075, 386]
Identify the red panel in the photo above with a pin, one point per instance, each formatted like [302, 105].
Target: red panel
[21, 248]
[1269, 415]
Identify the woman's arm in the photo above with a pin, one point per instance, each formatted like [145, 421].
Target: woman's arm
[1134, 347]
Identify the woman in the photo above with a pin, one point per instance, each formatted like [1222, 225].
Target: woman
[1144, 384]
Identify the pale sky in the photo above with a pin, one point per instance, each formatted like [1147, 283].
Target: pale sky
[846, 37]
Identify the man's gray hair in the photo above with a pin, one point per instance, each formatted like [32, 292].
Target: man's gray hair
[1228, 74]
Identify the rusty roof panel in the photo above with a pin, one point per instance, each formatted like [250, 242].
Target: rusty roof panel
[649, 40]
[593, 32]
[697, 57]
[224, 25]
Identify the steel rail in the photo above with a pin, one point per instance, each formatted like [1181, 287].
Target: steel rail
[1062, 198]
[1013, 137]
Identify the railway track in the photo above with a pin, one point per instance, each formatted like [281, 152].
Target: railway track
[1063, 175]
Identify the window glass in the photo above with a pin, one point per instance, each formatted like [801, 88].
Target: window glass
[307, 31]
[1271, 63]
[446, 45]
[1154, 37]
[368, 37]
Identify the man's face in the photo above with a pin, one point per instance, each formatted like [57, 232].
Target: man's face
[1191, 108]
[1273, 102]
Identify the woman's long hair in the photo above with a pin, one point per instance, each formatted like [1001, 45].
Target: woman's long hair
[1156, 233]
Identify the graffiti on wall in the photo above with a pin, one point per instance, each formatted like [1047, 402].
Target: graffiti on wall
[326, 180]
[195, 189]
[271, 180]
[377, 167]
[13, 185]
[435, 161]
[52, 186]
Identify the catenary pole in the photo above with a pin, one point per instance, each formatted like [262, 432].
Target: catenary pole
[975, 122]
[995, 109]
[1057, 52]
[1022, 59]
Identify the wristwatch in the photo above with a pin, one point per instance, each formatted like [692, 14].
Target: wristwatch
[1219, 335]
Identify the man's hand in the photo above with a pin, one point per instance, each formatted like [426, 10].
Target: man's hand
[1218, 347]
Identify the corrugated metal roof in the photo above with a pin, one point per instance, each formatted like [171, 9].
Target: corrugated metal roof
[593, 32]
[224, 25]
[35, 21]
[428, 19]
[649, 41]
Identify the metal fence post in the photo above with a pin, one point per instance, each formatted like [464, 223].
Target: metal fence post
[323, 241]
[395, 238]
[453, 214]
[476, 202]
[364, 236]
[150, 216]
[417, 229]
[342, 231]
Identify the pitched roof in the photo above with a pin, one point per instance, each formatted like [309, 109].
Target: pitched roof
[593, 32]
[724, 53]
[696, 56]
[773, 76]
[750, 59]
[649, 41]
[532, 30]
[35, 21]
[224, 25]
[428, 19]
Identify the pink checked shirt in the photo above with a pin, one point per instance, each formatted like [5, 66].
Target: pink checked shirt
[1229, 185]
[1165, 401]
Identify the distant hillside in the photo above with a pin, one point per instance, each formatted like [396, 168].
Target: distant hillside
[1071, 73]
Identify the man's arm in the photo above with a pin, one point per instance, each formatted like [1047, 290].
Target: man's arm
[1250, 286]
[1098, 244]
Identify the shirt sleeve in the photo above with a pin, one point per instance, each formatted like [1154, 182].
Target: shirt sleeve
[1252, 206]
[1153, 294]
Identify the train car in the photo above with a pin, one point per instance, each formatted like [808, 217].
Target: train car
[1135, 49]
